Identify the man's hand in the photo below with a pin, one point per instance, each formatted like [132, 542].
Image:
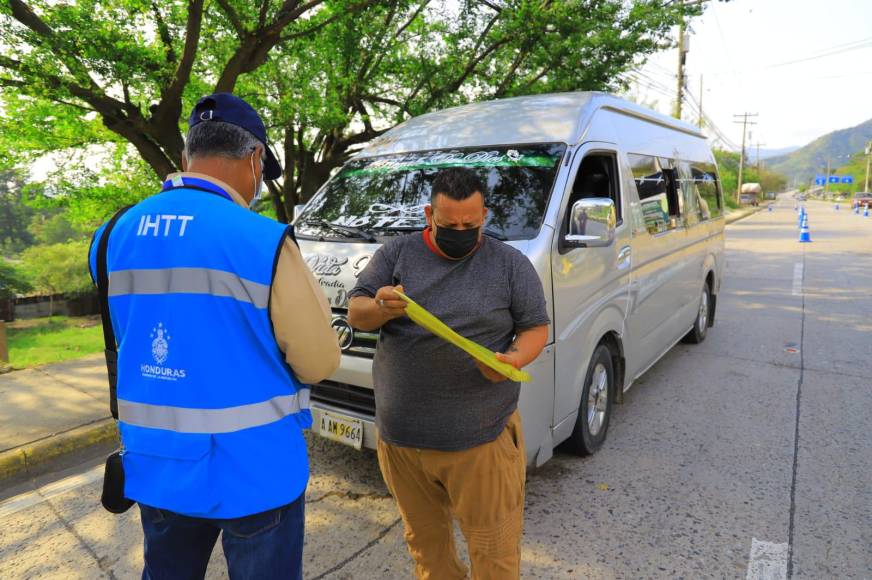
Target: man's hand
[368, 314]
[492, 375]
[390, 305]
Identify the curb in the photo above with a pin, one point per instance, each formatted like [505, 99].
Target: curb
[37, 457]
[736, 216]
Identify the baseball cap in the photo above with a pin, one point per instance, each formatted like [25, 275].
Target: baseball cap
[231, 109]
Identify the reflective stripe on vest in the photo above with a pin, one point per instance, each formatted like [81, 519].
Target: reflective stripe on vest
[188, 281]
[228, 420]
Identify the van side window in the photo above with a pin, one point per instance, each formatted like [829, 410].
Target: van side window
[596, 177]
[705, 177]
[659, 200]
[695, 209]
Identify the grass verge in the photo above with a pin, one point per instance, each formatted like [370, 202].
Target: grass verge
[47, 340]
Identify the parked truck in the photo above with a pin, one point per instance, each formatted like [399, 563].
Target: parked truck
[750, 194]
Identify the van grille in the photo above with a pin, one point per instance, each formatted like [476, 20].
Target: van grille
[345, 396]
[363, 344]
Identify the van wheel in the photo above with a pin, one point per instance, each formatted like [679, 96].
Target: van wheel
[595, 410]
[701, 324]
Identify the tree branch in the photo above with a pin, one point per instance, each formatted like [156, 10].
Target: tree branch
[470, 68]
[233, 17]
[409, 22]
[385, 101]
[4, 82]
[507, 80]
[370, 56]
[313, 29]
[256, 46]
[261, 18]
[364, 115]
[538, 77]
[360, 138]
[171, 97]
[26, 16]
[492, 6]
[290, 11]
[99, 101]
[165, 36]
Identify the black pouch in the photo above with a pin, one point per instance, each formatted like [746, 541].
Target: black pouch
[113, 476]
[113, 486]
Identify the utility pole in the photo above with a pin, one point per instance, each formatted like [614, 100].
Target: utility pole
[745, 122]
[758, 158]
[700, 101]
[683, 47]
[827, 183]
[868, 158]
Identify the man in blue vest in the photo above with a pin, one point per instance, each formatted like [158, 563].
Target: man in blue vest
[220, 327]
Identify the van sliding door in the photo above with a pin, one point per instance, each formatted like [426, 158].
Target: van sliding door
[589, 283]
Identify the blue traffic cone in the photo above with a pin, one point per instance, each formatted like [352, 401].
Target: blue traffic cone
[770, 208]
[866, 211]
[837, 207]
[803, 232]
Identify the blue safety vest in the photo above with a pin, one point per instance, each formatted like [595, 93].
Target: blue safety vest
[210, 414]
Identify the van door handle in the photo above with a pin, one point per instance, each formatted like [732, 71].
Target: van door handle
[624, 258]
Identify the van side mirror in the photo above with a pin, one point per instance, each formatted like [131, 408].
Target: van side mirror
[591, 223]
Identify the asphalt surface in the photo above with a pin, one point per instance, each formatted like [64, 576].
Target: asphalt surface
[748, 456]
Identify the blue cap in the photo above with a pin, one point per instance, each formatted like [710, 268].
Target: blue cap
[231, 109]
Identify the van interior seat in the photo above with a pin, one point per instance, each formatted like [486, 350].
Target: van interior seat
[592, 180]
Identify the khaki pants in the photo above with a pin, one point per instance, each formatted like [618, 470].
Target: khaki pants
[483, 487]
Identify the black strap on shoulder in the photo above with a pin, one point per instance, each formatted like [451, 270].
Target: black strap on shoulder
[111, 349]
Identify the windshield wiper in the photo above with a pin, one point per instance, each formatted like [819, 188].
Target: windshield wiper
[344, 230]
[495, 234]
[400, 228]
[488, 231]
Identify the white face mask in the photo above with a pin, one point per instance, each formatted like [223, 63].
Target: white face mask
[258, 185]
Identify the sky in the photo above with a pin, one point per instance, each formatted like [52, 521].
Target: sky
[747, 53]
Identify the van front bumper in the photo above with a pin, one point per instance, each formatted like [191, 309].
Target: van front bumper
[318, 409]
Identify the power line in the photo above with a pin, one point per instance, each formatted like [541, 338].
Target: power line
[714, 13]
[826, 53]
[650, 85]
[641, 79]
[709, 123]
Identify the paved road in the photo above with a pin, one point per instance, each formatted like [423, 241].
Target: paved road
[748, 456]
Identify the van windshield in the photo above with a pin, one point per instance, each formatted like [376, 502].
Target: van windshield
[385, 196]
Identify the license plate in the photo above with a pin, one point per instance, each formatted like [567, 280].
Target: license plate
[342, 429]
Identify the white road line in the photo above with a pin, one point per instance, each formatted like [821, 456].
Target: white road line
[32, 498]
[798, 270]
[767, 561]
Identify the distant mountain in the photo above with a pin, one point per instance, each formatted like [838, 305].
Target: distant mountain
[838, 146]
[768, 153]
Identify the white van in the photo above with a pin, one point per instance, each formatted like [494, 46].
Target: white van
[618, 208]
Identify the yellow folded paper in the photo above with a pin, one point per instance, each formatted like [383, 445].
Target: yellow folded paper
[429, 322]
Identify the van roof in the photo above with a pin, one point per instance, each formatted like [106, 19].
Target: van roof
[549, 118]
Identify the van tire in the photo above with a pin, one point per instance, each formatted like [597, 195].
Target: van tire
[601, 369]
[701, 324]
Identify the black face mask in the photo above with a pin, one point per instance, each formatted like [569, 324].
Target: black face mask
[456, 243]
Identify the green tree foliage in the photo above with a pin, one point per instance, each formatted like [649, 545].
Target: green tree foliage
[357, 78]
[15, 215]
[55, 229]
[12, 281]
[856, 168]
[728, 170]
[328, 75]
[58, 268]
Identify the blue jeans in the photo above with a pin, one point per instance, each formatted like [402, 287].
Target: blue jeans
[264, 545]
